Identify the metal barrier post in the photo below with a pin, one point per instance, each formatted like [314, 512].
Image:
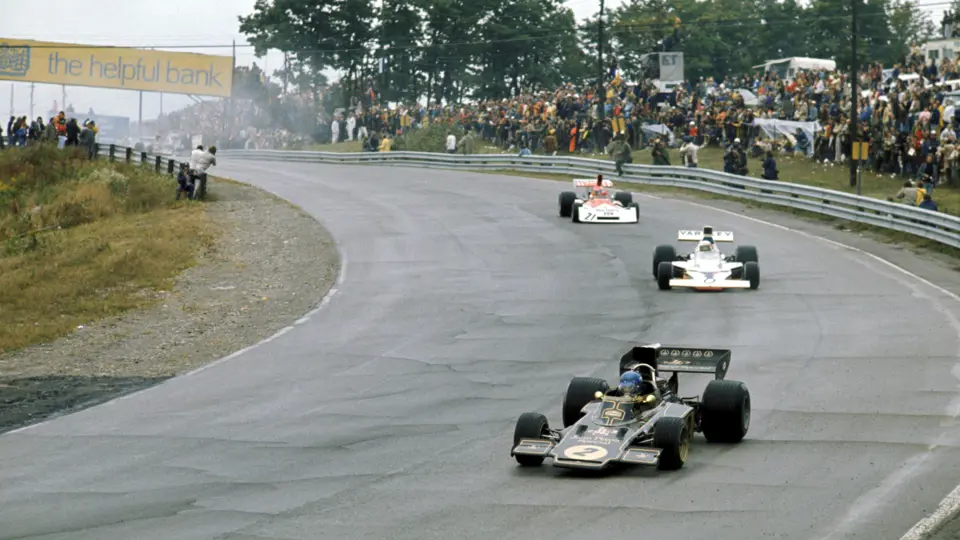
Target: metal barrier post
[129, 154]
[143, 157]
[113, 152]
[158, 163]
[170, 165]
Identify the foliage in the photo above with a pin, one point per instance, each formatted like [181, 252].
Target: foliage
[451, 50]
[431, 138]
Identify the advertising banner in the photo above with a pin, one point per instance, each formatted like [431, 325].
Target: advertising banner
[115, 67]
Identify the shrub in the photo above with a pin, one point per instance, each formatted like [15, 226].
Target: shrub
[431, 138]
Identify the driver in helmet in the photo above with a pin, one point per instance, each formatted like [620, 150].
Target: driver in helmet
[705, 246]
[632, 386]
[597, 190]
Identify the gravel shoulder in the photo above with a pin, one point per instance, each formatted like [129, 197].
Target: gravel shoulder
[271, 264]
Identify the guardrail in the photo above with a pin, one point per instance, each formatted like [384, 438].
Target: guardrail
[936, 226]
[123, 153]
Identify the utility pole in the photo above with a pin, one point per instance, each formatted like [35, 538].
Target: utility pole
[855, 99]
[603, 92]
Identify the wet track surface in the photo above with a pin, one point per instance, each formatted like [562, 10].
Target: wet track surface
[467, 301]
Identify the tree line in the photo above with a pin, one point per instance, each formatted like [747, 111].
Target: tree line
[469, 49]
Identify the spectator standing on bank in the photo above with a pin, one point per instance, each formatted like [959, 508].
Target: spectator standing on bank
[689, 151]
[451, 146]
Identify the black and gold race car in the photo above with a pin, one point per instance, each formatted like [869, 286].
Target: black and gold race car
[653, 427]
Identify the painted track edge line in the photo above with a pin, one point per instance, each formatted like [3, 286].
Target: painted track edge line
[338, 283]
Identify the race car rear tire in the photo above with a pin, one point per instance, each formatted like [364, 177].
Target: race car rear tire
[751, 273]
[624, 197]
[530, 426]
[725, 411]
[580, 391]
[672, 436]
[661, 254]
[664, 275]
[566, 203]
[747, 254]
[575, 212]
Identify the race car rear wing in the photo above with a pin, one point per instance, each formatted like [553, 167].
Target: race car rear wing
[671, 359]
[590, 182]
[708, 232]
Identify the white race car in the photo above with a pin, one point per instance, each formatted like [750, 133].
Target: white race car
[706, 269]
[593, 203]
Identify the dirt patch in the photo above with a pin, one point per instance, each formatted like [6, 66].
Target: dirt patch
[271, 264]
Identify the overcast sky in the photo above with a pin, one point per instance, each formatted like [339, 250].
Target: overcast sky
[141, 23]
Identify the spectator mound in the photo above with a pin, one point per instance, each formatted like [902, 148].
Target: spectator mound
[85, 240]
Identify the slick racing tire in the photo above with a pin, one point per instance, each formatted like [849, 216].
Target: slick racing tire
[725, 411]
[661, 254]
[664, 275]
[672, 436]
[530, 426]
[624, 197]
[575, 212]
[566, 203]
[746, 254]
[580, 391]
[751, 273]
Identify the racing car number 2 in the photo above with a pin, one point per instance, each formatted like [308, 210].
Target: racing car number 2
[585, 451]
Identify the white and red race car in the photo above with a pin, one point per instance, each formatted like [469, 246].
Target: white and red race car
[594, 202]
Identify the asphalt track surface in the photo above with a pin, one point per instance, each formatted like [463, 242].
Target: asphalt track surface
[388, 414]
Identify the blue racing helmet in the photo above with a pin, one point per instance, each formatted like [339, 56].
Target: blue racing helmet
[630, 383]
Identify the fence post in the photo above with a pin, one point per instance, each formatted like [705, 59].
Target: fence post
[170, 165]
[113, 152]
[96, 150]
[129, 154]
[158, 163]
[143, 157]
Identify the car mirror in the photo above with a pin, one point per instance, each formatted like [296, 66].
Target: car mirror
[598, 395]
[650, 398]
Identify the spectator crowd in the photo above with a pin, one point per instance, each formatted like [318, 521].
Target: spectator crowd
[59, 130]
[906, 114]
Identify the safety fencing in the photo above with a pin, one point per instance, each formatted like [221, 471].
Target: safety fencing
[937, 226]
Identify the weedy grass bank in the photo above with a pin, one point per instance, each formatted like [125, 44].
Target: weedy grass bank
[85, 240]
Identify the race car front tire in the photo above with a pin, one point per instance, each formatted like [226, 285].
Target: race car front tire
[672, 436]
[746, 254]
[566, 203]
[624, 197]
[530, 426]
[580, 391]
[661, 254]
[751, 273]
[725, 411]
[664, 275]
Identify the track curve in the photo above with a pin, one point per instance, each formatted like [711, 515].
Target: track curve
[466, 302]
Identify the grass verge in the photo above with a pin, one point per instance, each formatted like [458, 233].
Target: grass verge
[85, 241]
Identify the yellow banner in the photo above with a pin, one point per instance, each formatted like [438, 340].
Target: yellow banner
[115, 67]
